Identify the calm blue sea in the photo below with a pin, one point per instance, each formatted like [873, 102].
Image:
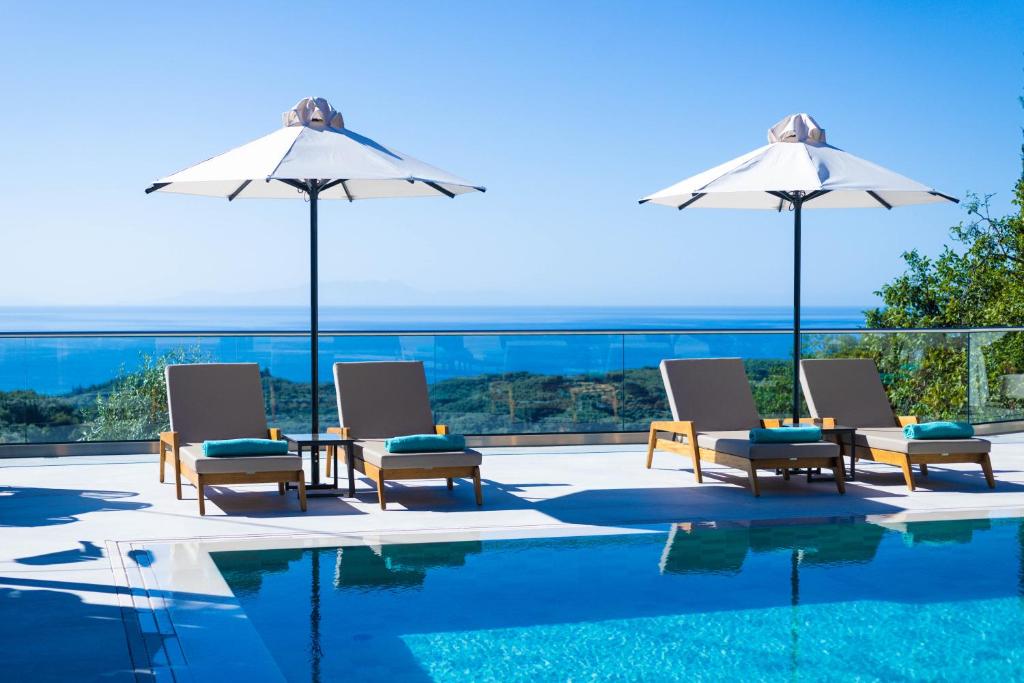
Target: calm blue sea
[58, 365]
[391, 318]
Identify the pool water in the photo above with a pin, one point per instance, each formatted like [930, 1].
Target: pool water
[836, 600]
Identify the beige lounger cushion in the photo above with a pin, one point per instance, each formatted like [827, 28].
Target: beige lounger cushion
[192, 455]
[892, 439]
[373, 452]
[737, 443]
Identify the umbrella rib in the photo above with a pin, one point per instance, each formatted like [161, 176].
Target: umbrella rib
[691, 200]
[156, 186]
[231, 197]
[874, 195]
[335, 183]
[814, 195]
[931, 192]
[446, 193]
[784, 196]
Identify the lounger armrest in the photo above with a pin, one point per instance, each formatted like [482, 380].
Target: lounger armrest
[441, 429]
[274, 433]
[343, 432]
[169, 441]
[675, 428]
[907, 420]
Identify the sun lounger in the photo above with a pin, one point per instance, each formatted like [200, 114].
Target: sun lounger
[213, 401]
[713, 410]
[380, 400]
[850, 391]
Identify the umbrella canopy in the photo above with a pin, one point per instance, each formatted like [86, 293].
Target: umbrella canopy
[314, 156]
[314, 145]
[797, 169]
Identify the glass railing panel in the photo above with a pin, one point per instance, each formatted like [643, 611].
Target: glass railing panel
[55, 388]
[767, 357]
[996, 376]
[110, 388]
[924, 373]
[528, 383]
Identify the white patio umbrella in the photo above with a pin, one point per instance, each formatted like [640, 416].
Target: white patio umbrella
[313, 156]
[796, 169]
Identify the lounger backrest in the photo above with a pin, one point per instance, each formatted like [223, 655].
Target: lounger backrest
[848, 389]
[216, 401]
[712, 392]
[383, 399]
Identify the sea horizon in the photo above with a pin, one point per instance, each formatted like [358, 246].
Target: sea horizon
[78, 319]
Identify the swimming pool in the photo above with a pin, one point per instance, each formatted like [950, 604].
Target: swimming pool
[820, 600]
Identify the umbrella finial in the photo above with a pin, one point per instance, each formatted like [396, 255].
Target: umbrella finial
[797, 128]
[313, 112]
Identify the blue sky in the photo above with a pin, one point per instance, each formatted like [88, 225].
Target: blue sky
[568, 112]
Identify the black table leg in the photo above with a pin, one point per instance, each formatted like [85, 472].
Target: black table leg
[350, 461]
[853, 457]
[332, 452]
[314, 463]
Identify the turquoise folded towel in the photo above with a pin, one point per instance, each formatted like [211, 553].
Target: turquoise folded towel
[939, 430]
[426, 443]
[801, 434]
[229, 447]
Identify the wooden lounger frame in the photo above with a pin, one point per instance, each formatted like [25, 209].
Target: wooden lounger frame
[170, 444]
[688, 430]
[394, 474]
[906, 461]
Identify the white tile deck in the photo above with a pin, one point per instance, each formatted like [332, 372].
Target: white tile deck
[60, 611]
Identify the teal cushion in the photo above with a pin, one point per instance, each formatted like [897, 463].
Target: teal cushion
[801, 434]
[425, 443]
[229, 447]
[939, 430]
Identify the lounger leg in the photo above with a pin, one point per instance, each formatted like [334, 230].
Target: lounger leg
[380, 490]
[908, 474]
[651, 440]
[163, 455]
[755, 487]
[924, 469]
[327, 469]
[200, 486]
[696, 466]
[839, 473]
[302, 490]
[177, 477]
[986, 467]
[451, 483]
[785, 473]
[280, 488]
[476, 486]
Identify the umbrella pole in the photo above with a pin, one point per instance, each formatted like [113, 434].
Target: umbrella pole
[314, 311]
[797, 204]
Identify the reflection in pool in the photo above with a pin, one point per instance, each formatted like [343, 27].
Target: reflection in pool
[752, 601]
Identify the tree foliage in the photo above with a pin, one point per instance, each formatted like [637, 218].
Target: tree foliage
[136, 406]
[977, 281]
